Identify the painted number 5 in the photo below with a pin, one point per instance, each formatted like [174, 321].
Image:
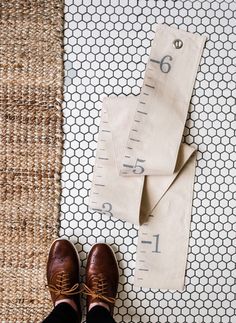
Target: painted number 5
[138, 169]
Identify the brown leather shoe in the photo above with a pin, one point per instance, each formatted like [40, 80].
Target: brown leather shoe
[102, 276]
[63, 272]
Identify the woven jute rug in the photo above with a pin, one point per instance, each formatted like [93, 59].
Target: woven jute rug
[31, 66]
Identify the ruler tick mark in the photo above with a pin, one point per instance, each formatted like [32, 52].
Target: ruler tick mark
[133, 139]
[143, 269]
[148, 85]
[134, 130]
[137, 120]
[142, 112]
[100, 185]
[103, 158]
[106, 130]
[142, 102]
[99, 210]
[146, 242]
[145, 93]
[155, 61]
[128, 166]
[127, 156]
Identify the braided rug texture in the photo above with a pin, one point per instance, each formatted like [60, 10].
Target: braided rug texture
[31, 78]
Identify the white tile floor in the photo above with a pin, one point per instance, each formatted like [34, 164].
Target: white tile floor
[106, 49]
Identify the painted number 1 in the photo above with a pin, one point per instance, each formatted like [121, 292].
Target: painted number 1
[157, 243]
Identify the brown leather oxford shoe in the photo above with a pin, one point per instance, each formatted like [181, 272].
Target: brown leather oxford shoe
[102, 276]
[63, 272]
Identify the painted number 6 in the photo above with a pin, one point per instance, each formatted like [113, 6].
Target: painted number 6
[165, 65]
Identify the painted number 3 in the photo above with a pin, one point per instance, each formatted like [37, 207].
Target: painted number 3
[106, 208]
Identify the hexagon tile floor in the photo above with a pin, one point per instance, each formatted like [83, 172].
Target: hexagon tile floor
[106, 49]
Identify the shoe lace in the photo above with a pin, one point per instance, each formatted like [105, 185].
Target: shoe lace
[98, 289]
[62, 285]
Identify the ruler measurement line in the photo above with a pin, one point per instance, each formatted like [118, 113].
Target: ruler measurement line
[127, 156]
[148, 85]
[155, 61]
[142, 112]
[99, 210]
[102, 185]
[146, 242]
[143, 269]
[145, 93]
[103, 158]
[127, 166]
[129, 148]
[141, 102]
[137, 120]
[133, 139]
[106, 130]
[134, 130]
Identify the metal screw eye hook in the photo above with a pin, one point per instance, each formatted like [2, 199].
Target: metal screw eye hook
[177, 43]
